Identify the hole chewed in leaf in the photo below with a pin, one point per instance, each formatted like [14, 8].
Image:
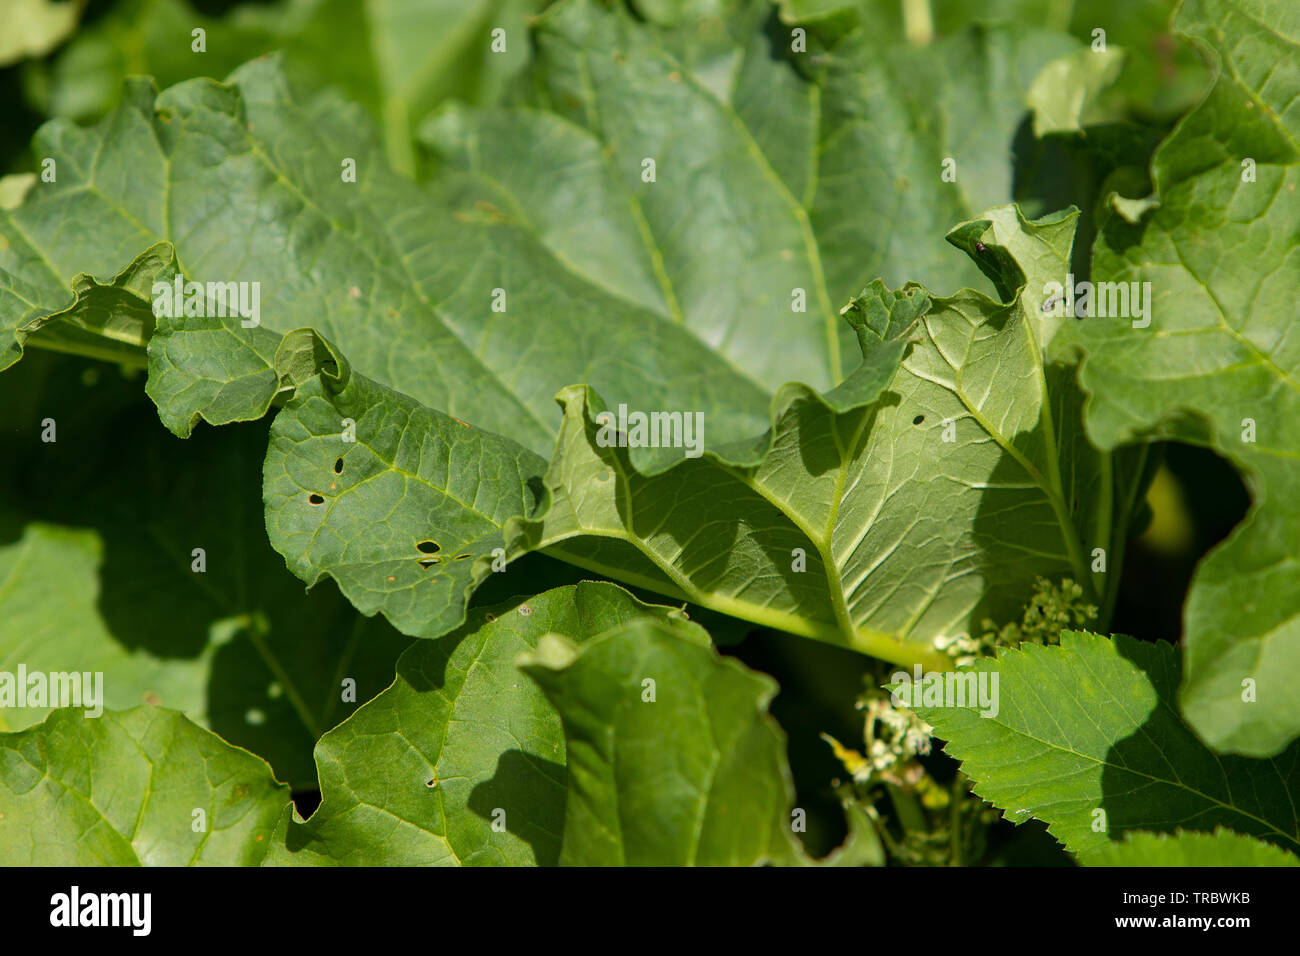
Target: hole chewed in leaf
[918, 419]
[315, 499]
[428, 547]
[427, 563]
[338, 466]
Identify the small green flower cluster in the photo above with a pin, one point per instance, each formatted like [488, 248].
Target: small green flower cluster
[1052, 609]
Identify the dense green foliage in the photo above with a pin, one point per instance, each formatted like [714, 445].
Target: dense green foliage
[835, 244]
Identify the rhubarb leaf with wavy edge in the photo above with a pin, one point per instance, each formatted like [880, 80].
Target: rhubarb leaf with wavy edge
[891, 561]
[401, 505]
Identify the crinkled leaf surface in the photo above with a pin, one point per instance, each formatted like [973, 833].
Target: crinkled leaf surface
[401, 505]
[122, 790]
[909, 502]
[694, 776]
[245, 182]
[1092, 725]
[1219, 363]
[460, 741]
[919, 509]
[844, 174]
[1189, 848]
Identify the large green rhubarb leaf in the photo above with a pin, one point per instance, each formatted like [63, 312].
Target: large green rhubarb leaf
[1217, 360]
[144, 787]
[1087, 738]
[244, 182]
[910, 502]
[704, 275]
[835, 182]
[878, 517]
[461, 760]
[673, 758]
[709, 280]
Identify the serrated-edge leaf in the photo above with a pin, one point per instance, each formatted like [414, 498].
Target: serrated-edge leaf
[1087, 738]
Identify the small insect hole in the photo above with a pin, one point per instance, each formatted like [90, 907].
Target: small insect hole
[490, 617]
[428, 547]
[918, 419]
[431, 783]
[462, 557]
[338, 466]
[427, 563]
[315, 499]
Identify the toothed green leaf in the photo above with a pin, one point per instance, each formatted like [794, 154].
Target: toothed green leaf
[1087, 738]
[1189, 848]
